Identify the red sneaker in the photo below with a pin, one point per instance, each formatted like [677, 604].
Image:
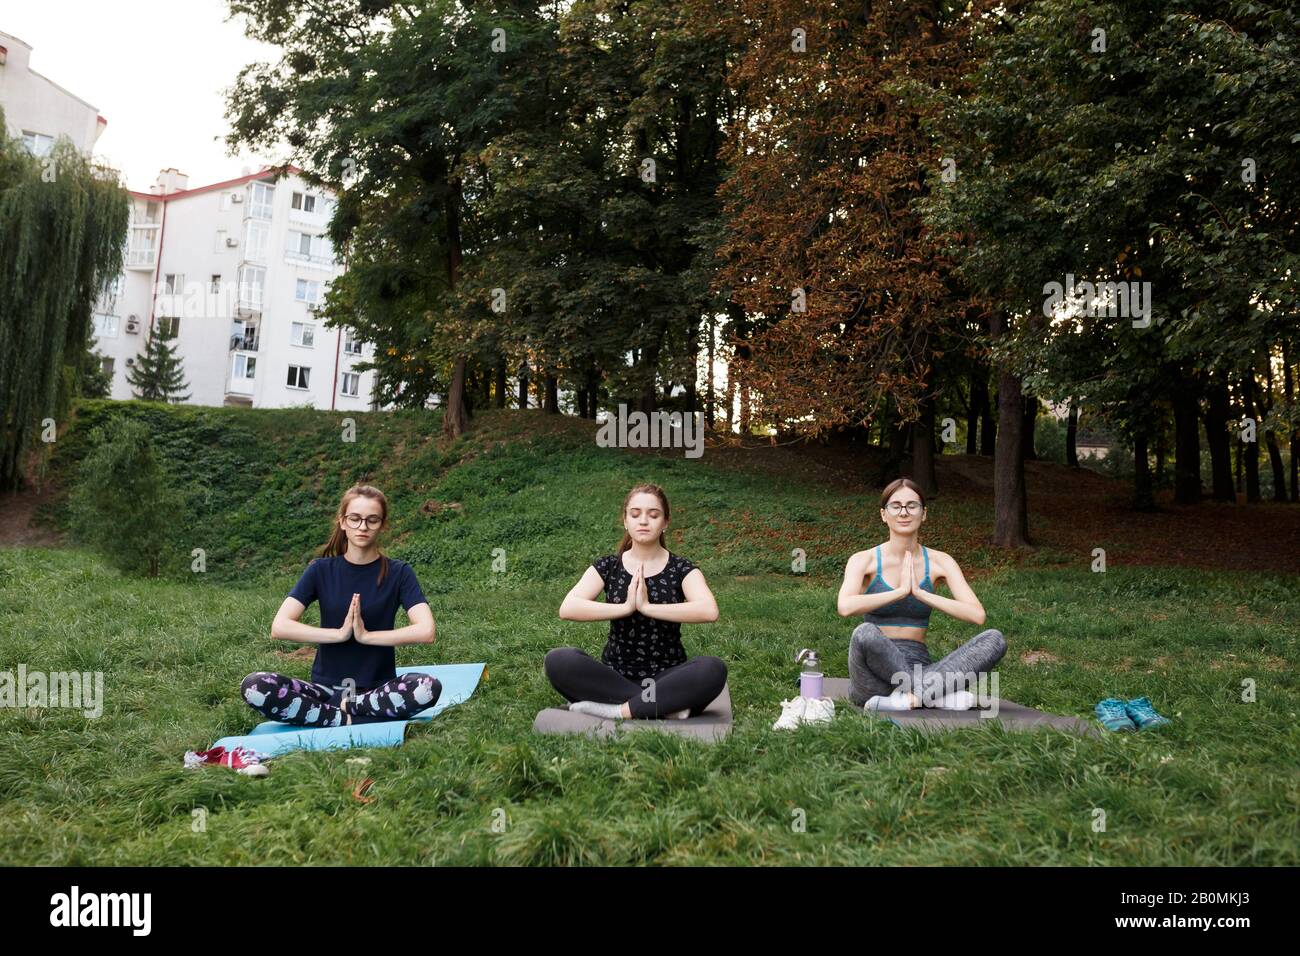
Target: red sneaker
[240, 759]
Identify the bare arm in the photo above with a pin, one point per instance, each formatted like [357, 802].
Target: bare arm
[421, 629]
[288, 626]
[580, 603]
[698, 608]
[852, 601]
[963, 605]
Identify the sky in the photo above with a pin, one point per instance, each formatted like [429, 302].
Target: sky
[155, 69]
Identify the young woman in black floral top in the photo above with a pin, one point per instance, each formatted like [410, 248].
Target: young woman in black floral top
[649, 594]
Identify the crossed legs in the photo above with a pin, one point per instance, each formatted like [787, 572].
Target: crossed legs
[879, 665]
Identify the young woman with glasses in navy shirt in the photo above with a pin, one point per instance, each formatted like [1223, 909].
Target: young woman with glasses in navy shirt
[354, 678]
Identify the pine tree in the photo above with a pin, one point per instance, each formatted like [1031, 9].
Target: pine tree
[157, 375]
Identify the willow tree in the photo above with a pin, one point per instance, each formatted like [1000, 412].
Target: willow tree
[63, 224]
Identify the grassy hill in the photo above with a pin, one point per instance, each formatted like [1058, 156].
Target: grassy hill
[1222, 785]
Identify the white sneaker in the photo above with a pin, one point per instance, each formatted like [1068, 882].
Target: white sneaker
[819, 710]
[792, 712]
[957, 700]
[898, 700]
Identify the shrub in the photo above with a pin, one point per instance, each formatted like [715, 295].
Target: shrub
[124, 504]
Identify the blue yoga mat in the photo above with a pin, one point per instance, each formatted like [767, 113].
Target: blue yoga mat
[271, 738]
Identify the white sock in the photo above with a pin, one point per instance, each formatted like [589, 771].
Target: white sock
[957, 700]
[678, 715]
[593, 709]
[898, 700]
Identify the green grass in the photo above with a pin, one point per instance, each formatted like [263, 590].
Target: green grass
[1221, 785]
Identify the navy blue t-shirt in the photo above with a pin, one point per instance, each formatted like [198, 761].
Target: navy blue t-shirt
[333, 581]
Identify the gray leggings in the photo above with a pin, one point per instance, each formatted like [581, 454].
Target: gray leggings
[875, 661]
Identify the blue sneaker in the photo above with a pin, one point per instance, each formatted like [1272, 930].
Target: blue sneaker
[1113, 714]
[1144, 715]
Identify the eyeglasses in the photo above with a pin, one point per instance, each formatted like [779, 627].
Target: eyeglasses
[370, 521]
[897, 507]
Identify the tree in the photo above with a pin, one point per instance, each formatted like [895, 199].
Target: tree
[123, 503]
[850, 303]
[158, 375]
[63, 225]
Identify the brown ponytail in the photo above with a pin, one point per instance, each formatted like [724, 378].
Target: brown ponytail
[649, 490]
[338, 542]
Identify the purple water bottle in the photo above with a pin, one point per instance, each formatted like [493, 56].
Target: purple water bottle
[810, 678]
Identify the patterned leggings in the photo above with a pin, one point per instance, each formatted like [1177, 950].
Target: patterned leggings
[300, 702]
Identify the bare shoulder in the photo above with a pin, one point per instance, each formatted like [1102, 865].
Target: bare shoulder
[942, 561]
[861, 561]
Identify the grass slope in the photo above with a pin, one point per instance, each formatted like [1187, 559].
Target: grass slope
[1222, 785]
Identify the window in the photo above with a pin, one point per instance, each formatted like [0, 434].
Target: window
[257, 235]
[169, 326]
[351, 344]
[174, 283]
[262, 198]
[227, 201]
[106, 366]
[245, 366]
[307, 291]
[298, 376]
[38, 144]
[106, 326]
[302, 333]
[304, 201]
[215, 285]
[221, 241]
[351, 384]
[250, 286]
[150, 214]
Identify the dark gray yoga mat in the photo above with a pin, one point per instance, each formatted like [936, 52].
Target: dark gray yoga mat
[710, 726]
[1010, 715]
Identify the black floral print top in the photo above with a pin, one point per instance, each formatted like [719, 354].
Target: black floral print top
[640, 646]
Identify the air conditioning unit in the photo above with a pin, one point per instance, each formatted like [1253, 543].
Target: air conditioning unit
[132, 325]
[237, 197]
[232, 242]
[130, 362]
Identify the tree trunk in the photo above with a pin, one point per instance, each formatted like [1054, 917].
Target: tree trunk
[1216, 436]
[1030, 405]
[552, 395]
[979, 399]
[455, 417]
[1010, 504]
[923, 472]
[1187, 446]
[501, 384]
[1144, 498]
[988, 427]
[1274, 452]
[1250, 449]
[523, 385]
[1072, 435]
[709, 390]
[1289, 389]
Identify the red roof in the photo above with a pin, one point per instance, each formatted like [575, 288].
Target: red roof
[271, 172]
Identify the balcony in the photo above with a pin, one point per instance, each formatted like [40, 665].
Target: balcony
[243, 343]
[250, 301]
[141, 258]
[306, 259]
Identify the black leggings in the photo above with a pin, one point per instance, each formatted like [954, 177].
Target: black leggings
[691, 685]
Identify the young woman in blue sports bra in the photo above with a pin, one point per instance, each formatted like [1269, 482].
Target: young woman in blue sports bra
[886, 649]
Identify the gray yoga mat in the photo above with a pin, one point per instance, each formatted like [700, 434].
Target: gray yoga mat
[1010, 715]
[712, 725]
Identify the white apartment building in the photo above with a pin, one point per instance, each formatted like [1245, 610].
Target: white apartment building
[38, 109]
[237, 270]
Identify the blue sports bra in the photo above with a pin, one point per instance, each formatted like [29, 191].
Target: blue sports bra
[909, 611]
